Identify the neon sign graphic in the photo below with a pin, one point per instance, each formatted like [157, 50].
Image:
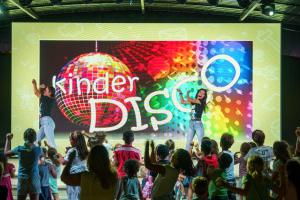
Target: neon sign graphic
[107, 93]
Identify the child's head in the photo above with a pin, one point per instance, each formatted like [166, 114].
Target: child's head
[101, 137]
[252, 144]
[131, 168]
[281, 150]
[3, 159]
[128, 137]
[182, 161]
[171, 144]
[53, 156]
[29, 136]
[52, 153]
[245, 147]
[93, 141]
[214, 147]
[77, 140]
[200, 187]
[258, 136]
[224, 160]
[206, 146]
[45, 152]
[226, 141]
[162, 151]
[143, 172]
[255, 164]
[150, 179]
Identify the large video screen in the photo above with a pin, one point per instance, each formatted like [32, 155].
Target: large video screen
[112, 79]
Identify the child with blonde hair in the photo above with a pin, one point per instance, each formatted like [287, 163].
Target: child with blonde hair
[256, 185]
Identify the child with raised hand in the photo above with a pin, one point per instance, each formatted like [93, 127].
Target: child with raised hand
[8, 173]
[200, 188]
[209, 157]
[216, 192]
[78, 164]
[168, 174]
[160, 156]
[245, 147]
[206, 158]
[28, 173]
[226, 142]
[130, 187]
[256, 186]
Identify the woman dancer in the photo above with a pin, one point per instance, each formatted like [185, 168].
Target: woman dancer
[198, 105]
[47, 101]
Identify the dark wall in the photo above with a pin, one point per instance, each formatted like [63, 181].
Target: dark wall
[290, 58]
[5, 98]
[290, 97]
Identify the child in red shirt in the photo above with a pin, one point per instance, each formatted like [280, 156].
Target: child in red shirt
[126, 152]
[206, 158]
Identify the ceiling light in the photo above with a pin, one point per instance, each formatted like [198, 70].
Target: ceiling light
[268, 9]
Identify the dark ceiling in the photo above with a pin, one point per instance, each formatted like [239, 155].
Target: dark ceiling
[287, 11]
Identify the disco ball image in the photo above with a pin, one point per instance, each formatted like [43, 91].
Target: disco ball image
[87, 68]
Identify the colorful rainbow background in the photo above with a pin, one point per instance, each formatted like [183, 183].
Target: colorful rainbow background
[161, 64]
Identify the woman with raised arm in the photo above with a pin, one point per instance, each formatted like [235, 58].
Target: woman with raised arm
[47, 101]
[198, 105]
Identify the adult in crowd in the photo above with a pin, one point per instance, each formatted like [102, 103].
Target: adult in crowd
[47, 101]
[99, 182]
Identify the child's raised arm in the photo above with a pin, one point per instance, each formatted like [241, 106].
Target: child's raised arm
[152, 155]
[149, 165]
[7, 148]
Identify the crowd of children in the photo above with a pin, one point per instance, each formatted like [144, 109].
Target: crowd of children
[163, 173]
